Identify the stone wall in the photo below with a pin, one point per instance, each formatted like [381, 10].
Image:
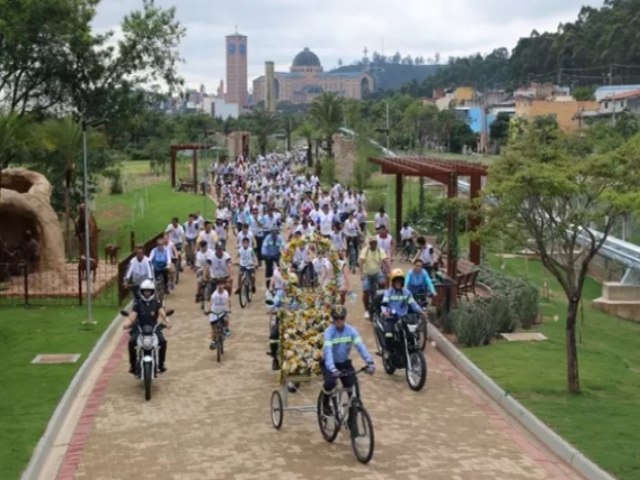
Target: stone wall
[345, 153]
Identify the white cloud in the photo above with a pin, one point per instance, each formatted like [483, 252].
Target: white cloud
[339, 29]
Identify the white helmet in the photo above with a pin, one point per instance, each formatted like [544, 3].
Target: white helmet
[147, 286]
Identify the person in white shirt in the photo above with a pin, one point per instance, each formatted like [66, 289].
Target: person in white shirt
[220, 303]
[176, 233]
[407, 235]
[385, 241]
[338, 241]
[352, 232]
[248, 234]
[427, 254]
[139, 270]
[191, 232]
[221, 232]
[220, 267]
[201, 263]
[208, 235]
[323, 269]
[247, 261]
[381, 219]
[325, 221]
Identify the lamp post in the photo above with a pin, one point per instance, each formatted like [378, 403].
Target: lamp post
[86, 223]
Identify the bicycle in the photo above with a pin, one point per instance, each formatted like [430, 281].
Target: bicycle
[207, 291]
[218, 333]
[421, 299]
[374, 307]
[353, 256]
[408, 251]
[245, 287]
[160, 286]
[346, 410]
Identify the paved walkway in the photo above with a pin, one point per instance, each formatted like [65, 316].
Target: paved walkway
[211, 421]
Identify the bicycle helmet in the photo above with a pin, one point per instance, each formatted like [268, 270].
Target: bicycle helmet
[338, 312]
[396, 274]
[147, 291]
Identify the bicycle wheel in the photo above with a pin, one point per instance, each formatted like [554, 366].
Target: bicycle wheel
[219, 347]
[362, 436]
[416, 371]
[244, 300]
[329, 424]
[277, 410]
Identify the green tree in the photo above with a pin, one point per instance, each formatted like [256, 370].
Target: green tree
[307, 131]
[263, 125]
[64, 138]
[547, 199]
[16, 140]
[584, 94]
[499, 128]
[327, 114]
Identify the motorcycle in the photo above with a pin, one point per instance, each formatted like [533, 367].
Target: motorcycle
[403, 349]
[147, 351]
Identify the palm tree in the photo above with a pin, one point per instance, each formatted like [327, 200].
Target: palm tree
[64, 137]
[308, 132]
[327, 113]
[263, 125]
[15, 139]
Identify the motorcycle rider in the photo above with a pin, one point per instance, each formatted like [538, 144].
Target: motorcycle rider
[396, 303]
[338, 339]
[147, 311]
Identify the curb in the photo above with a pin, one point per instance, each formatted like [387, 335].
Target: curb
[43, 448]
[563, 449]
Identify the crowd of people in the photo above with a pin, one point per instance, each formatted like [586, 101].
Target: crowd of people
[262, 205]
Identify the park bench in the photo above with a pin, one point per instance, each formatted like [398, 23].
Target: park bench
[467, 274]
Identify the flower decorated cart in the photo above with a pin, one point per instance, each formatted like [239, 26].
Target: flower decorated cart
[303, 317]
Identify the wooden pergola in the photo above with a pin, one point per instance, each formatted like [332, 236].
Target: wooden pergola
[194, 147]
[443, 171]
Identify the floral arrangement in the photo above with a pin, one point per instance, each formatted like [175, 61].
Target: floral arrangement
[302, 325]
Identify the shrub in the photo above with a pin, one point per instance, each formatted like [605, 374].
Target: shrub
[475, 323]
[328, 171]
[522, 298]
[115, 176]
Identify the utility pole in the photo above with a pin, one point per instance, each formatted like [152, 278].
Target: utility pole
[87, 249]
[613, 94]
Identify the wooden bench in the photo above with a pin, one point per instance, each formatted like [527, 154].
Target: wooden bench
[466, 278]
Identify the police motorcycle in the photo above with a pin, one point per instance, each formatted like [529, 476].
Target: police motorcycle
[147, 352]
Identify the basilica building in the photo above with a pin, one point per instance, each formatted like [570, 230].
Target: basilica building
[306, 80]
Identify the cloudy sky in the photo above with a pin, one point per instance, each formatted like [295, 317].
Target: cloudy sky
[278, 29]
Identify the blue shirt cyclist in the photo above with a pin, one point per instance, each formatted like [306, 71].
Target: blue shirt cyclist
[418, 281]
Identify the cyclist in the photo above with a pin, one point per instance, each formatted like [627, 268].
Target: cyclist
[247, 260]
[203, 255]
[147, 311]
[396, 303]
[220, 303]
[418, 282]
[246, 233]
[139, 270]
[352, 232]
[176, 234]
[385, 241]
[381, 218]
[374, 263]
[272, 247]
[338, 339]
[426, 254]
[221, 232]
[220, 267]
[338, 241]
[160, 258]
[407, 237]
[191, 232]
[209, 235]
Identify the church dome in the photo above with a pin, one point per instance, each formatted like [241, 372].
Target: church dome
[306, 58]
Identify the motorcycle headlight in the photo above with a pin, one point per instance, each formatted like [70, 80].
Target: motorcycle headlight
[147, 342]
[412, 327]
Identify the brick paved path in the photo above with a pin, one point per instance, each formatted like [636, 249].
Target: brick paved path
[211, 421]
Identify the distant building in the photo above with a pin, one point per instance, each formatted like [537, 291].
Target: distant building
[307, 79]
[568, 113]
[236, 69]
[611, 90]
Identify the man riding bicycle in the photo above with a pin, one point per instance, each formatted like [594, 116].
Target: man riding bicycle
[139, 270]
[248, 261]
[338, 339]
[374, 263]
[220, 268]
[160, 258]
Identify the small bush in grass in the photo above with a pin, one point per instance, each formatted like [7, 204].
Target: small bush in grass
[476, 322]
[521, 295]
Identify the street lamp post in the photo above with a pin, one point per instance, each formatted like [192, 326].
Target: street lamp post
[86, 223]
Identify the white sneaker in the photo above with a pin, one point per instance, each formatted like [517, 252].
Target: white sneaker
[366, 315]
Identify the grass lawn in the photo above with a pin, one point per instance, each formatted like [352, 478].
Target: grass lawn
[30, 393]
[146, 211]
[603, 422]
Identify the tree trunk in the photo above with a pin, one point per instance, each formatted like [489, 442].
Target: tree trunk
[329, 147]
[309, 154]
[67, 218]
[573, 377]
[421, 197]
